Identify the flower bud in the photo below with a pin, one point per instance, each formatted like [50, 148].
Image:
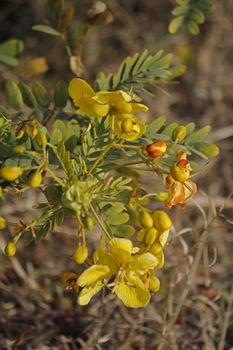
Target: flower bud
[10, 249]
[161, 196]
[80, 254]
[1, 192]
[2, 223]
[179, 133]
[150, 236]
[20, 150]
[88, 223]
[141, 234]
[10, 173]
[35, 179]
[161, 220]
[181, 171]
[145, 219]
[156, 149]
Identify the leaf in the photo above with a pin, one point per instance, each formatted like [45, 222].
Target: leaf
[11, 47]
[175, 24]
[153, 127]
[123, 230]
[40, 94]
[27, 94]
[8, 60]
[208, 149]
[137, 71]
[13, 95]
[61, 94]
[198, 135]
[46, 29]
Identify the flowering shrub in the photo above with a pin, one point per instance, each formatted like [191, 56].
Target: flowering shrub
[76, 147]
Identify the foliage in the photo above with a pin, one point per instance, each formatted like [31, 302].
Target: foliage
[191, 14]
[84, 149]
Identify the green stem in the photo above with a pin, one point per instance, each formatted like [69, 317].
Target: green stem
[57, 179]
[100, 222]
[102, 154]
[118, 145]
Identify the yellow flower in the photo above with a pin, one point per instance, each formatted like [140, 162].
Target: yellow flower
[179, 192]
[127, 126]
[120, 102]
[131, 274]
[84, 97]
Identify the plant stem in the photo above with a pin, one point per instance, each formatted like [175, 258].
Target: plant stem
[54, 176]
[100, 222]
[102, 154]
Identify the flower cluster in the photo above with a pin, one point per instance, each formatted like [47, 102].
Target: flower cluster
[117, 105]
[125, 270]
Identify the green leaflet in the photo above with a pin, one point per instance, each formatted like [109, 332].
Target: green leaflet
[137, 71]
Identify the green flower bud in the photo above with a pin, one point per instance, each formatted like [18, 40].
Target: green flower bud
[179, 133]
[2, 223]
[88, 223]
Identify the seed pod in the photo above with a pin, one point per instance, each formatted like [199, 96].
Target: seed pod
[88, 223]
[2, 223]
[179, 133]
[35, 179]
[10, 173]
[151, 235]
[145, 219]
[10, 249]
[156, 149]
[20, 150]
[161, 220]
[81, 254]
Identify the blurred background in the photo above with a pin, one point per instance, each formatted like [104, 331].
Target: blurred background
[193, 309]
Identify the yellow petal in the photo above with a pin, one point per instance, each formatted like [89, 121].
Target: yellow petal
[79, 89]
[88, 106]
[121, 249]
[112, 97]
[138, 107]
[88, 292]
[134, 279]
[154, 283]
[93, 274]
[144, 262]
[132, 296]
[163, 238]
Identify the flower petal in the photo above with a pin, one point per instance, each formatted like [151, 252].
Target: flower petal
[93, 274]
[121, 249]
[143, 262]
[157, 250]
[88, 292]
[79, 89]
[154, 283]
[138, 107]
[112, 97]
[132, 296]
[163, 237]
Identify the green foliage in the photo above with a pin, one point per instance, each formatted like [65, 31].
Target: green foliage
[138, 71]
[9, 50]
[13, 95]
[190, 13]
[46, 29]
